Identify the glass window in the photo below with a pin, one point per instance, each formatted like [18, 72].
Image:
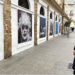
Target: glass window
[42, 11]
[24, 3]
[51, 15]
[56, 18]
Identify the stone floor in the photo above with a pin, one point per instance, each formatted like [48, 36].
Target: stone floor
[49, 58]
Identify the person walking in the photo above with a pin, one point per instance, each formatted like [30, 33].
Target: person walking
[74, 62]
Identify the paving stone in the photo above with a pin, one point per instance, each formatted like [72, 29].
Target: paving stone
[49, 58]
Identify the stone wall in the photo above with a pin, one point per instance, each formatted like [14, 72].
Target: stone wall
[35, 21]
[7, 25]
[7, 28]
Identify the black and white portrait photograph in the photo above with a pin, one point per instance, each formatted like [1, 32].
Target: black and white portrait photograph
[42, 27]
[24, 26]
[51, 28]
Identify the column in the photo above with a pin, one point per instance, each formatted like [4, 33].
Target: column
[47, 29]
[7, 28]
[35, 21]
[63, 18]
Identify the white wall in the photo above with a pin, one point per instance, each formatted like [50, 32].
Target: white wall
[16, 48]
[1, 32]
[14, 28]
[40, 3]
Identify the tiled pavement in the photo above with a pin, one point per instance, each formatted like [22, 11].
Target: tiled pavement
[49, 58]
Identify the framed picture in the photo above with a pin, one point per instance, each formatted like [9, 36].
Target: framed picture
[51, 27]
[24, 26]
[42, 27]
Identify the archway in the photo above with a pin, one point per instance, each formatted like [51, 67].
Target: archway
[24, 3]
[42, 11]
[56, 18]
[51, 15]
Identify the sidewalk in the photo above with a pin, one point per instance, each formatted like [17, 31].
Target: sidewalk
[49, 58]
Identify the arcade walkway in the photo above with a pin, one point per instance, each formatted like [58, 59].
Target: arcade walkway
[49, 58]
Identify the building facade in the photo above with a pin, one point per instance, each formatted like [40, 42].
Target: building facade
[26, 23]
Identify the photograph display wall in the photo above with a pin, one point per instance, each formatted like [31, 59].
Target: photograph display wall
[24, 26]
[56, 27]
[51, 27]
[42, 32]
[60, 25]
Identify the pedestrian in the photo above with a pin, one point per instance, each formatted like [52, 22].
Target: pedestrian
[74, 62]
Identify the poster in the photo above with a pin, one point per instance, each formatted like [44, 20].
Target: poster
[24, 26]
[60, 25]
[56, 27]
[51, 27]
[42, 27]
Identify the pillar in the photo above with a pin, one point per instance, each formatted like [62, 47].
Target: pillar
[35, 21]
[63, 18]
[47, 29]
[54, 24]
[7, 28]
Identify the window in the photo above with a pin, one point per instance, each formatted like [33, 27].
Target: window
[42, 11]
[51, 15]
[24, 3]
[56, 18]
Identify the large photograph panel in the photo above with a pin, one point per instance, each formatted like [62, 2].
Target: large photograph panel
[51, 28]
[56, 27]
[60, 25]
[24, 26]
[42, 27]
